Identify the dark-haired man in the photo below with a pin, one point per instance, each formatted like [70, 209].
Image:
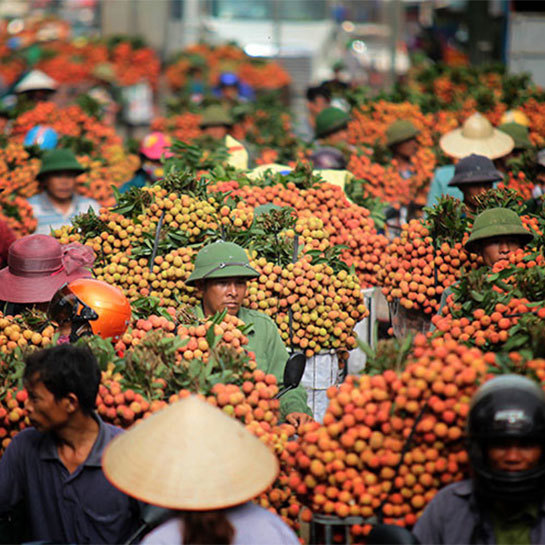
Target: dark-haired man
[52, 471]
[318, 99]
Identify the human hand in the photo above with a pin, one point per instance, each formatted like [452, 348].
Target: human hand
[298, 419]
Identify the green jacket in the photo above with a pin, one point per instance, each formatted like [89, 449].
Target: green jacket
[270, 355]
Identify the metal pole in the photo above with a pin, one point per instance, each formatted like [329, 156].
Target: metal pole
[276, 5]
[394, 25]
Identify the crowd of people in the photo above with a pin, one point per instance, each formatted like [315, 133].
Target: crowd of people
[71, 478]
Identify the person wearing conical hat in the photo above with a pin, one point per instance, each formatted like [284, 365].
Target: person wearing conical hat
[58, 202]
[221, 274]
[51, 471]
[205, 466]
[36, 86]
[476, 136]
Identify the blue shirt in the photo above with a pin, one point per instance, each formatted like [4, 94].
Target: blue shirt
[49, 217]
[82, 507]
[439, 185]
[453, 517]
[252, 524]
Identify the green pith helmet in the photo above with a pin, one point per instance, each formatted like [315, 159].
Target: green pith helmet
[221, 260]
[265, 209]
[399, 131]
[60, 159]
[519, 133]
[216, 115]
[497, 222]
[330, 120]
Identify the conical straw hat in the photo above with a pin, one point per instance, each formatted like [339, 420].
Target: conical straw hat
[478, 136]
[35, 80]
[191, 456]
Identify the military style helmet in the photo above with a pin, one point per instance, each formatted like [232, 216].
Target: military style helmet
[497, 222]
[221, 260]
[399, 131]
[509, 407]
[331, 120]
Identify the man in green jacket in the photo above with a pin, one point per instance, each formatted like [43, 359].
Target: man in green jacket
[221, 274]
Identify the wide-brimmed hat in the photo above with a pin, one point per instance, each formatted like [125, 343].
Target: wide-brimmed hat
[330, 120]
[38, 265]
[60, 159]
[519, 133]
[221, 260]
[36, 80]
[476, 135]
[497, 222]
[216, 115]
[475, 169]
[190, 456]
[399, 131]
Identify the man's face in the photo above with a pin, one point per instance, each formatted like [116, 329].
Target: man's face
[44, 411]
[406, 149]
[514, 455]
[230, 92]
[217, 132]
[317, 105]
[471, 191]
[61, 184]
[338, 137]
[495, 248]
[223, 293]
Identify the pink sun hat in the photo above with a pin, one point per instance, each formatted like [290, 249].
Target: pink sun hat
[38, 265]
[155, 145]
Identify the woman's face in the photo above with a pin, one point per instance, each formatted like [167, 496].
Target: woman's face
[494, 249]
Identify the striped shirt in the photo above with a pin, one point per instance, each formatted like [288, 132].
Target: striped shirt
[50, 217]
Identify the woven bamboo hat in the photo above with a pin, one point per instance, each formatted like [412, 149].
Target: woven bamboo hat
[190, 456]
[477, 135]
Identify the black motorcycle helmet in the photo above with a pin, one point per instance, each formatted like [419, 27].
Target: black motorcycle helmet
[510, 407]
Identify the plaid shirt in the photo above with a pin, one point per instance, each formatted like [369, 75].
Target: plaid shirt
[49, 217]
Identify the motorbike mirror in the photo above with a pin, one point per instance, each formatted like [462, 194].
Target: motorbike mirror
[390, 534]
[295, 367]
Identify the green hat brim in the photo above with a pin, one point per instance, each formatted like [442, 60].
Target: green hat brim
[228, 271]
[492, 231]
[62, 166]
[398, 138]
[334, 127]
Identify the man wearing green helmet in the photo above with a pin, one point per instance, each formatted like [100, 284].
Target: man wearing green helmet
[496, 234]
[221, 273]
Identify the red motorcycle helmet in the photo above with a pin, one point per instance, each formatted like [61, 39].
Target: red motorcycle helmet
[86, 300]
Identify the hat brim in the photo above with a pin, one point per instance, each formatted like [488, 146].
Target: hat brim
[475, 178]
[402, 138]
[496, 230]
[190, 456]
[334, 128]
[35, 289]
[457, 145]
[57, 168]
[224, 123]
[229, 271]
